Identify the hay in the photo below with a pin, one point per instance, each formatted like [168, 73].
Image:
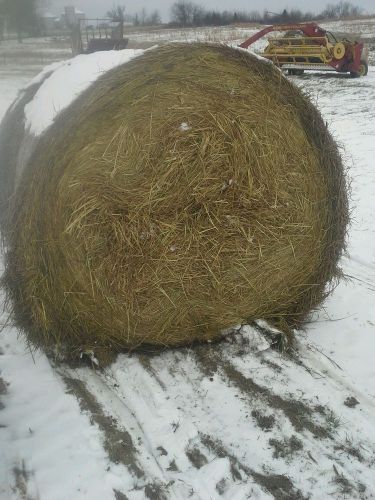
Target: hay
[190, 190]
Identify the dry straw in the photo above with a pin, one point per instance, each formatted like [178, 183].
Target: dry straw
[187, 191]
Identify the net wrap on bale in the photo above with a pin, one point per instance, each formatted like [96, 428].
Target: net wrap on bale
[190, 190]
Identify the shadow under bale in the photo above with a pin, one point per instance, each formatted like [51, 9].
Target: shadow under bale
[189, 190]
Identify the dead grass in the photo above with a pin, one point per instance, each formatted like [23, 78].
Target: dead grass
[129, 228]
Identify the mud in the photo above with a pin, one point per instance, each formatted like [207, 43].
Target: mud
[279, 486]
[3, 387]
[265, 422]
[155, 491]
[351, 402]
[196, 457]
[345, 488]
[287, 448]
[21, 479]
[117, 443]
[299, 414]
[119, 495]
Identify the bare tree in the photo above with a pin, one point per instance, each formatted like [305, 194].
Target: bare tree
[154, 18]
[2, 20]
[187, 13]
[21, 16]
[341, 10]
[117, 13]
[182, 12]
[143, 16]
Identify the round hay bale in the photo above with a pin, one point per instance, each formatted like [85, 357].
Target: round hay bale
[187, 191]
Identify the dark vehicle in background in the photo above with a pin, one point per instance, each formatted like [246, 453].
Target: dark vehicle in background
[95, 35]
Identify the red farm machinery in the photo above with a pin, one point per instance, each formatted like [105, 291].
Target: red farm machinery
[307, 46]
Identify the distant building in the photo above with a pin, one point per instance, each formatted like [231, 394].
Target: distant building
[72, 16]
[49, 22]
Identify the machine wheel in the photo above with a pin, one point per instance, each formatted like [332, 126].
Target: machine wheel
[362, 71]
[363, 68]
[339, 51]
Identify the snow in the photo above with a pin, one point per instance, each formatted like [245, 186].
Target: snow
[69, 79]
[184, 127]
[346, 325]
[205, 422]
[49, 15]
[44, 429]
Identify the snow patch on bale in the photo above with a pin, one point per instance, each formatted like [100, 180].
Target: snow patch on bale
[128, 228]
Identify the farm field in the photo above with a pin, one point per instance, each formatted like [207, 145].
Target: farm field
[234, 420]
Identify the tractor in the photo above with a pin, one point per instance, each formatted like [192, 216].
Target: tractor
[307, 46]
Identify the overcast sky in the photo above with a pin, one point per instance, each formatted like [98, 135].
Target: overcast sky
[97, 8]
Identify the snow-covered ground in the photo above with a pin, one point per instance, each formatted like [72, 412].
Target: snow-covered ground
[236, 420]
[364, 27]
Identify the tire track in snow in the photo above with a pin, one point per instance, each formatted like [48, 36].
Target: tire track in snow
[98, 395]
[117, 443]
[318, 420]
[22, 480]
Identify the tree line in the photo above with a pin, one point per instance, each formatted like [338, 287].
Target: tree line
[141, 18]
[19, 16]
[187, 13]
[22, 16]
